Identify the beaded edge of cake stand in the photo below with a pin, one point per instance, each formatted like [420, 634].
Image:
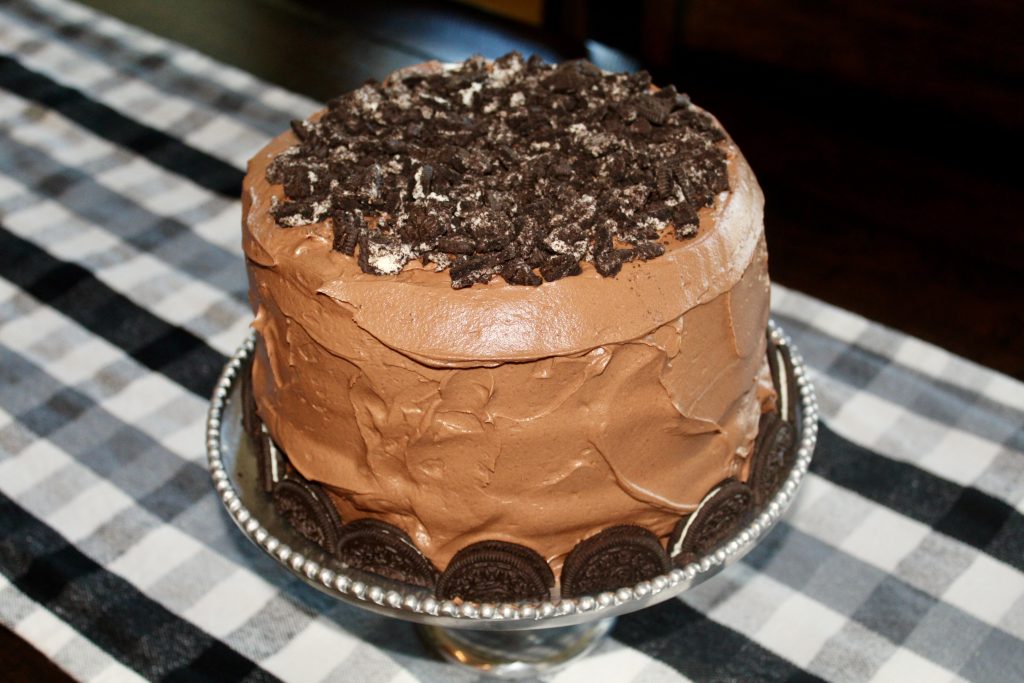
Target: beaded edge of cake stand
[410, 604]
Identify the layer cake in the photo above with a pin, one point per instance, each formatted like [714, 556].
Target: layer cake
[506, 307]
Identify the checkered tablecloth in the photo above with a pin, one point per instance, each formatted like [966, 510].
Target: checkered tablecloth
[122, 291]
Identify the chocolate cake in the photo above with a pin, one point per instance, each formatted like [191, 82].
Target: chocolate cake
[510, 315]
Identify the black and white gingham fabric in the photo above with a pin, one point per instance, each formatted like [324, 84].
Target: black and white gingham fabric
[122, 291]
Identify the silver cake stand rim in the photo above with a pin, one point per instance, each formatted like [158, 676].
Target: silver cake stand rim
[417, 605]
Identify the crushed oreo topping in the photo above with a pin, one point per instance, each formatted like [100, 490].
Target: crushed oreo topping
[514, 167]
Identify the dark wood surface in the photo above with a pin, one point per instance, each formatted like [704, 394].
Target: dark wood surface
[884, 135]
[19, 662]
[880, 199]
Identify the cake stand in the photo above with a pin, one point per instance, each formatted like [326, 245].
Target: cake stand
[509, 640]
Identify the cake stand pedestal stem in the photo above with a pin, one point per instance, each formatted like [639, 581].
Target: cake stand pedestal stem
[516, 654]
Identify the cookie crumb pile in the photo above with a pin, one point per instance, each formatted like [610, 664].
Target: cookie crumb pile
[514, 167]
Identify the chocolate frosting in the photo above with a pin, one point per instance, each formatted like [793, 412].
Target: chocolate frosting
[534, 415]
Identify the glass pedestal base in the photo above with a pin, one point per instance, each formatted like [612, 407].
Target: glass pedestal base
[516, 654]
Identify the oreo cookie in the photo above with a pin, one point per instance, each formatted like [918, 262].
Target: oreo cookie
[616, 557]
[774, 452]
[374, 546]
[274, 466]
[722, 512]
[309, 511]
[781, 366]
[250, 420]
[271, 465]
[792, 388]
[496, 571]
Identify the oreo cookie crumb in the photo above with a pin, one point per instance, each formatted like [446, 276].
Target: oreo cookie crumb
[496, 572]
[620, 556]
[512, 168]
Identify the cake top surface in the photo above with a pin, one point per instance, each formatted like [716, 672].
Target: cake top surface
[513, 167]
